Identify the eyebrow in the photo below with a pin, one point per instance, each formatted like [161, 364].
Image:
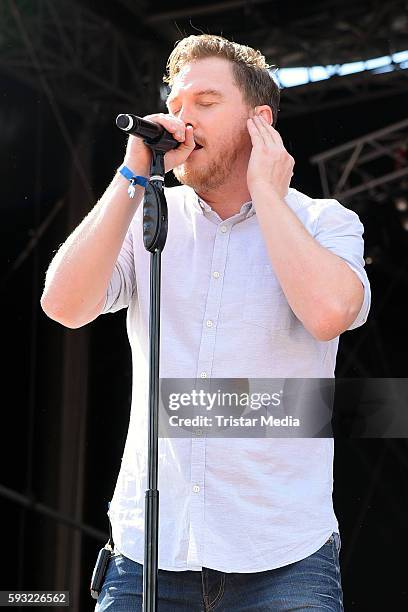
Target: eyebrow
[204, 92]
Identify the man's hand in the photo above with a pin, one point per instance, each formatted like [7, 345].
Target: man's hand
[270, 165]
[138, 155]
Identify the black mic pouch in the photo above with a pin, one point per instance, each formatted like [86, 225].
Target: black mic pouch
[101, 565]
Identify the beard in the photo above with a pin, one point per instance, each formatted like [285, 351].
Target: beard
[210, 175]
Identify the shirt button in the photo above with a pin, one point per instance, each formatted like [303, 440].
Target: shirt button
[203, 375]
[209, 323]
[196, 488]
[216, 274]
[223, 228]
[199, 432]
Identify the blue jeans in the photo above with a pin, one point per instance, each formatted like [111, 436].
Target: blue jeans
[311, 584]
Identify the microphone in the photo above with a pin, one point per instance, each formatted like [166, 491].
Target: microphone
[152, 133]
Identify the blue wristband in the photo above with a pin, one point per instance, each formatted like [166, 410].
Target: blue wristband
[133, 178]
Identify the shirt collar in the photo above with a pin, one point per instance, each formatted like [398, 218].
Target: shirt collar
[247, 209]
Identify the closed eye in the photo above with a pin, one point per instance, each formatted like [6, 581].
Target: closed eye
[176, 111]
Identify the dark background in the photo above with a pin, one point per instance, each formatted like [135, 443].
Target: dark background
[66, 70]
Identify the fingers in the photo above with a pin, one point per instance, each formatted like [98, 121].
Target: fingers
[269, 135]
[262, 133]
[175, 126]
[254, 132]
[189, 142]
[275, 134]
[262, 129]
[190, 137]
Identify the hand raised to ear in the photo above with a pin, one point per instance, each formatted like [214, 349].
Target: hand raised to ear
[270, 165]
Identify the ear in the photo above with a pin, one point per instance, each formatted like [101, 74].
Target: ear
[265, 111]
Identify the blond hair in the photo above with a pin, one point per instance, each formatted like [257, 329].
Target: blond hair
[249, 68]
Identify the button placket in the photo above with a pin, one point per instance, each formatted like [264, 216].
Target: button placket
[204, 366]
[195, 545]
[212, 307]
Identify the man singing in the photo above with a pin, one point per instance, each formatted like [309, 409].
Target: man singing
[258, 281]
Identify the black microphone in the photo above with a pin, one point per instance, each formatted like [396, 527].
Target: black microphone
[152, 133]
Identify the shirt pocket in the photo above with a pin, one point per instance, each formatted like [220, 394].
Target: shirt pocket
[265, 304]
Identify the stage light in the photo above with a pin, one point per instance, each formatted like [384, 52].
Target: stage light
[401, 203]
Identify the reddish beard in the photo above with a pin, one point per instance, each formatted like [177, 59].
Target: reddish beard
[206, 176]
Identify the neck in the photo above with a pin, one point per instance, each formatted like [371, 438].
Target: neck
[227, 199]
[226, 202]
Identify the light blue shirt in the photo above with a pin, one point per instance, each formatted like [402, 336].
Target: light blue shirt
[236, 504]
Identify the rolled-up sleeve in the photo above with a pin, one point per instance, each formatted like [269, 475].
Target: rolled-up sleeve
[340, 230]
[122, 285]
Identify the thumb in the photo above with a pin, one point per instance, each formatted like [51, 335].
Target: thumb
[189, 142]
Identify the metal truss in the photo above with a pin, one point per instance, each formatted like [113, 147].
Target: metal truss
[85, 62]
[94, 62]
[328, 33]
[336, 32]
[351, 170]
[342, 91]
[30, 503]
[314, 33]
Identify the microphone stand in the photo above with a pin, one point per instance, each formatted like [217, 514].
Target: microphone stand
[155, 224]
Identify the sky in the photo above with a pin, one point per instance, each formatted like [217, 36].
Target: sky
[290, 77]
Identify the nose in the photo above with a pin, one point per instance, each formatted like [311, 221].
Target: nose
[186, 115]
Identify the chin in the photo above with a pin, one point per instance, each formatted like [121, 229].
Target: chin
[187, 176]
[203, 177]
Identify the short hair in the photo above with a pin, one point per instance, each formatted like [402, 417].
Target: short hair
[251, 73]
